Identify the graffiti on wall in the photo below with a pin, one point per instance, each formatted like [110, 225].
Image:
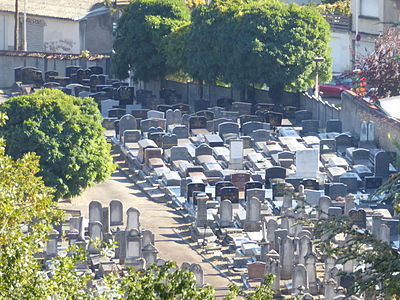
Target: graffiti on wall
[64, 45]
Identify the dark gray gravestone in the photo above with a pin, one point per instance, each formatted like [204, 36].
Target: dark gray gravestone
[381, 163]
[274, 172]
[169, 140]
[358, 217]
[372, 182]
[334, 126]
[301, 115]
[219, 185]
[351, 180]
[335, 190]
[181, 132]
[327, 146]
[309, 127]
[394, 228]
[273, 118]
[310, 184]
[194, 187]
[230, 193]
[197, 122]
[343, 141]
[203, 149]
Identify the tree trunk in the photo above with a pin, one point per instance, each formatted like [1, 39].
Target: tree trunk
[16, 28]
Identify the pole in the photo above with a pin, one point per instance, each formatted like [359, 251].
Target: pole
[356, 37]
[316, 90]
[24, 46]
[16, 27]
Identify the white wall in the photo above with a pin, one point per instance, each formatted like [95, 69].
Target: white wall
[61, 36]
[6, 32]
[341, 51]
[58, 35]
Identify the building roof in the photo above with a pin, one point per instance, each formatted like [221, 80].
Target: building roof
[63, 9]
[391, 106]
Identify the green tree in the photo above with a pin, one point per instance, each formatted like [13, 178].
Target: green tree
[27, 213]
[256, 42]
[65, 132]
[141, 33]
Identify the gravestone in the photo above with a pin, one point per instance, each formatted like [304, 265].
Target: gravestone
[228, 128]
[310, 184]
[358, 217]
[255, 193]
[127, 122]
[203, 149]
[198, 273]
[155, 114]
[381, 163]
[335, 190]
[179, 153]
[260, 135]
[307, 163]
[181, 132]
[274, 172]
[327, 146]
[169, 141]
[301, 115]
[132, 219]
[309, 127]
[372, 182]
[132, 136]
[230, 193]
[218, 186]
[334, 126]
[197, 122]
[351, 180]
[194, 187]
[236, 154]
[201, 209]
[96, 234]
[116, 213]
[253, 215]
[239, 180]
[95, 211]
[226, 214]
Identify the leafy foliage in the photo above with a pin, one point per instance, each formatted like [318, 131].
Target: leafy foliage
[139, 44]
[257, 42]
[380, 67]
[377, 264]
[341, 7]
[26, 203]
[65, 132]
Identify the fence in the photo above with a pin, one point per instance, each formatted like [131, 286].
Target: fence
[321, 109]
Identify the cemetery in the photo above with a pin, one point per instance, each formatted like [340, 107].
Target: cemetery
[245, 175]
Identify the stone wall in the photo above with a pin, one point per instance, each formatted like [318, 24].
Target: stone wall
[354, 112]
[190, 91]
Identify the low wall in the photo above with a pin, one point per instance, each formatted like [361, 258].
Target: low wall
[45, 62]
[191, 92]
[321, 109]
[354, 112]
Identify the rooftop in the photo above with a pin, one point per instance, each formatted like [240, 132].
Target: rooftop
[63, 9]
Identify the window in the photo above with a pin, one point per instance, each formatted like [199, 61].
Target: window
[370, 8]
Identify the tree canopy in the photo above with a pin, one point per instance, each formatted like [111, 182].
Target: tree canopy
[258, 42]
[381, 67]
[140, 40]
[65, 132]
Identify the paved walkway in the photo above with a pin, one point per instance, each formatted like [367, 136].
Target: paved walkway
[157, 217]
